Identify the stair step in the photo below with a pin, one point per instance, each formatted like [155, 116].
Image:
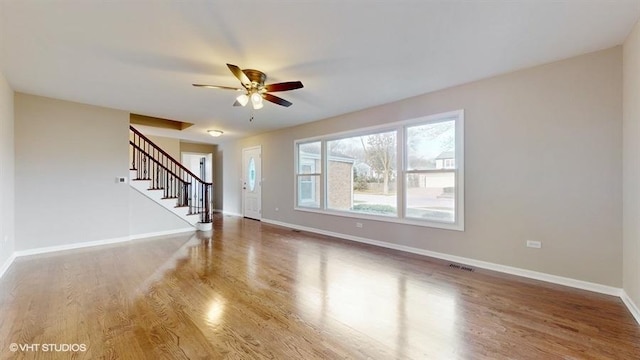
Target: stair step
[169, 198]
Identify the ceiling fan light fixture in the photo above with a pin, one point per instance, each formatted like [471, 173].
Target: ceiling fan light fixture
[215, 133]
[243, 99]
[254, 88]
[256, 100]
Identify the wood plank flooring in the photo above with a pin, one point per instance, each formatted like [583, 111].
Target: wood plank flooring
[257, 291]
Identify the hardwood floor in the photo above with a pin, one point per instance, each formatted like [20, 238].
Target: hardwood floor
[256, 291]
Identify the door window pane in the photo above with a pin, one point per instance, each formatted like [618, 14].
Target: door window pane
[252, 174]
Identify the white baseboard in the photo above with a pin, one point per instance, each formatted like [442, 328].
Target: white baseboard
[579, 284]
[7, 264]
[161, 233]
[633, 308]
[228, 212]
[49, 249]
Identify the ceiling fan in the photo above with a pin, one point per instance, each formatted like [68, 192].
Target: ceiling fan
[254, 89]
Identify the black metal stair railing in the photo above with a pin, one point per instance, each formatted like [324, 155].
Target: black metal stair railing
[165, 173]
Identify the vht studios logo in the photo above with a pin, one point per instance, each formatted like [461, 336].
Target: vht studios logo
[48, 347]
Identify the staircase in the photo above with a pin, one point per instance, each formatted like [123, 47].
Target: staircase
[157, 175]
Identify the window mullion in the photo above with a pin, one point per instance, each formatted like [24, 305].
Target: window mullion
[400, 167]
[323, 177]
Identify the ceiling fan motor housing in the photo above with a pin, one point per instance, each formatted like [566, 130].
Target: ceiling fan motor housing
[256, 76]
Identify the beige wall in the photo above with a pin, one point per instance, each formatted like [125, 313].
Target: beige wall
[67, 157]
[145, 216]
[197, 148]
[7, 172]
[543, 162]
[631, 165]
[169, 145]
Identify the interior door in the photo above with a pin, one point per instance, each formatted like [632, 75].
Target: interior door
[252, 182]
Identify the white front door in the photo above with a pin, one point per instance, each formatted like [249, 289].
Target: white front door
[252, 182]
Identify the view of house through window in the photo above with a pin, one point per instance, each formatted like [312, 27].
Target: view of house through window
[417, 179]
[361, 174]
[430, 171]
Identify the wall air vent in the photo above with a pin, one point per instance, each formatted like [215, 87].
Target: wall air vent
[461, 267]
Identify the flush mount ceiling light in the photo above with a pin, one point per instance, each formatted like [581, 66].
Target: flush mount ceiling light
[254, 89]
[215, 133]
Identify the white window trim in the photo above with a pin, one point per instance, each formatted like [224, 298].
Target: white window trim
[400, 128]
[319, 173]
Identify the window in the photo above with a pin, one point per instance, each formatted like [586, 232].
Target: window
[449, 163]
[430, 191]
[409, 172]
[361, 174]
[308, 174]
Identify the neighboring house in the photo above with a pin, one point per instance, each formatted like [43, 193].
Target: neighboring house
[339, 182]
[446, 160]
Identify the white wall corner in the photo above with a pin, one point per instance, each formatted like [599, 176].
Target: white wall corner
[7, 264]
[633, 308]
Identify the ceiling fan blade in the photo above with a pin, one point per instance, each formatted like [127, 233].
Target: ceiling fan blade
[236, 103]
[217, 87]
[237, 72]
[284, 86]
[276, 100]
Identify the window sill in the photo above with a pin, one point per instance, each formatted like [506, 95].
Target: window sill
[382, 218]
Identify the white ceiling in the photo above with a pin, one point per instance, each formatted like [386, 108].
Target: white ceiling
[143, 56]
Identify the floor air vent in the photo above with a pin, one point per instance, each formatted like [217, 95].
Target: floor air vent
[461, 267]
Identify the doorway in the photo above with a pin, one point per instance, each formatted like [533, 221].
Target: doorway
[199, 164]
[252, 182]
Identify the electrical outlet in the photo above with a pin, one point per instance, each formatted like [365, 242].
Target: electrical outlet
[359, 225]
[534, 244]
[277, 209]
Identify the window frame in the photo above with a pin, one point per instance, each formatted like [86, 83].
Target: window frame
[319, 171]
[401, 128]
